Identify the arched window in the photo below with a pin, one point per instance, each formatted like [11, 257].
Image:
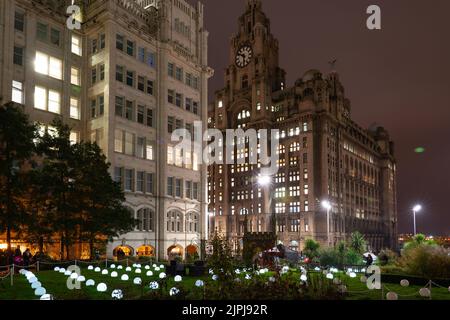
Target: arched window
[174, 221]
[145, 218]
[192, 222]
[243, 212]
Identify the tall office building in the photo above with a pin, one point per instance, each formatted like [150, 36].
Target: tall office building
[133, 72]
[323, 154]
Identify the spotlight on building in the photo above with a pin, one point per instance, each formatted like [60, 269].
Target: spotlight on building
[326, 204]
[264, 180]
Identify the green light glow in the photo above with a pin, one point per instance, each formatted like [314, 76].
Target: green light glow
[419, 150]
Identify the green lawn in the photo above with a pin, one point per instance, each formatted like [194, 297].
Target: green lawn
[55, 284]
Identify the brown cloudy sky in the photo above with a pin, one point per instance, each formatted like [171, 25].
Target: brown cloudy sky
[398, 77]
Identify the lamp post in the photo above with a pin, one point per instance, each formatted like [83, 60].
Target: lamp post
[327, 205]
[416, 209]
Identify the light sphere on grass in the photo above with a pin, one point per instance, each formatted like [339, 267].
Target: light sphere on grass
[119, 267]
[404, 283]
[138, 271]
[391, 296]
[215, 277]
[124, 277]
[174, 291]
[128, 269]
[330, 276]
[303, 277]
[237, 271]
[161, 266]
[55, 269]
[62, 270]
[117, 294]
[32, 280]
[90, 267]
[104, 271]
[90, 283]
[154, 285]
[67, 273]
[97, 269]
[147, 267]
[199, 283]
[46, 297]
[114, 274]
[316, 269]
[36, 285]
[178, 279]
[157, 268]
[74, 275]
[425, 292]
[162, 275]
[137, 280]
[101, 287]
[113, 266]
[40, 291]
[149, 273]
[352, 275]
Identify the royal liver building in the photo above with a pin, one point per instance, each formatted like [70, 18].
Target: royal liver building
[134, 71]
[333, 178]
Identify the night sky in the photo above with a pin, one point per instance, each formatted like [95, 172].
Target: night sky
[398, 77]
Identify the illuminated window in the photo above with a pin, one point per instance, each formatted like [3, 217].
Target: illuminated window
[74, 137]
[149, 152]
[40, 98]
[280, 208]
[54, 101]
[76, 45]
[220, 105]
[118, 141]
[129, 143]
[305, 189]
[48, 65]
[75, 76]
[170, 155]
[75, 108]
[17, 91]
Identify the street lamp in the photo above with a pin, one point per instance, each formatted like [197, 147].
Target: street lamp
[327, 205]
[264, 180]
[416, 209]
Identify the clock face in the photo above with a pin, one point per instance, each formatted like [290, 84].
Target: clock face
[244, 56]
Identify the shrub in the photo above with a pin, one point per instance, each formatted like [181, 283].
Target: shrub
[387, 257]
[353, 258]
[329, 257]
[357, 242]
[427, 261]
[311, 249]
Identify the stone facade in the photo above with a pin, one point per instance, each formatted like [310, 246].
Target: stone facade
[323, 154]
[133, 69]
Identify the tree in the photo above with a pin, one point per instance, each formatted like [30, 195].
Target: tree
[16, 149]
[418, 240]
[357, 242]
[55, 179]
[102, 215]
[311, 249]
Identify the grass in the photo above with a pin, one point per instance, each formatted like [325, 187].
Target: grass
[55, 283]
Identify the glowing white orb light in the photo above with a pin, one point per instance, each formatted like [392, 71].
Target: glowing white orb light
[90, 267]
[352, 275]
[124, 277]
[81, 279]
[162, 275]
[46, 297]
[90, 283]
[404, 283]
[237, 271]
[104, 271]
[137, 280]
[67, 273]
[391, 296]
[117, 294]
[149, 273]
[303, 277]
[154, 285]
[138, 271]
[55, 269]
[199, 283]
[330, 276]
[128, 269]
[157, 269]
[119, 267]
[174, 291]
[36, 285]
[215, 277]
[317, 269]
[134, 265]
[40, 291]
[178, 279]
[147, 267]
[113, 266]
[62, 270]
[97, 269]
[154, 265]
[32, 280]
[114, 274]
[424, 292]
[101, 287]
[211, 271]
[161, 266]
[74, 275]
[248, 277]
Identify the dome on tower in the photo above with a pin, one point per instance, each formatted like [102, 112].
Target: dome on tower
[311, 74]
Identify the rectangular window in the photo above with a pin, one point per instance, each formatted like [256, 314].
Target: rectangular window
[178, 100]
[195, 191]
[18, 56]
[118, 141]
[170, 155]
[41, 31]
[130, 48]
[130, 78]
[118, 175]
[140, 176]
[149, 152]
[76, 45]
[179, 74]
[17, 92]
[178, 188]
[119, 73]
[73, 137]
[189, 189]
[141, 83]
[189, 79]
[128, 179]
[101, 105]
[54, 101]
[129, 143]
[141, 54]
[55, 35]
[149, 117]
[94, 46]
[170, 96]
[119, 106]
[19, 21]
[102, 41]
[102, 72]
[170, 186]
[93, 108]
[140, 145]
[55, 68]
[188, 104]
[75, 76]
[195, 107]
[119, 42]
[195, 82]
[93, 75]
[170, 68]
[48, 65]
[129, 110]
[40, 98]
[74, 108]
[140, 114]
[151, 59]
[149, 183]
[150, 87]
